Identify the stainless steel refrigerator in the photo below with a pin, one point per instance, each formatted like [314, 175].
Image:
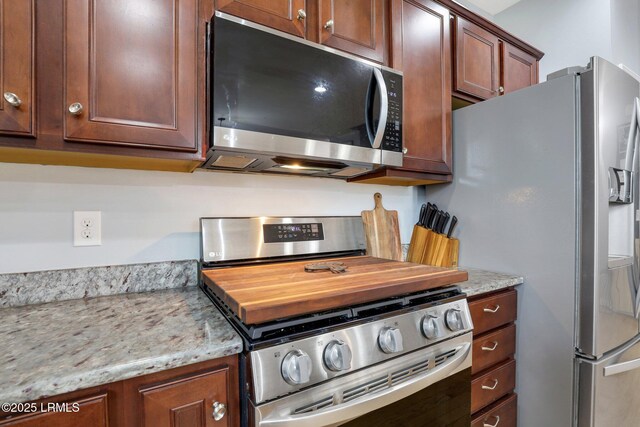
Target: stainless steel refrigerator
[546, 186]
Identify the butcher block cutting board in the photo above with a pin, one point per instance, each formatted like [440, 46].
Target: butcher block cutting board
[382, 231]
[263, 293]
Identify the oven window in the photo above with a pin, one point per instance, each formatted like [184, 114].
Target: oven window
[266, 83]
[446, 403]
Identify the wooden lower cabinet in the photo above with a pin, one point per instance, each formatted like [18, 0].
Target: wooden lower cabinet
[493, 365]
[189, 402]
[90, 411]
[199, 395]
[503, 413]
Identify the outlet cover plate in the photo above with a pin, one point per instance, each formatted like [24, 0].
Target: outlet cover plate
[87, 228]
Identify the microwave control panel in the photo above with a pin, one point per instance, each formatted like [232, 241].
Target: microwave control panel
[392, 139]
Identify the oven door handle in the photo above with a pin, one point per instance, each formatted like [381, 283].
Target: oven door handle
[342, 413]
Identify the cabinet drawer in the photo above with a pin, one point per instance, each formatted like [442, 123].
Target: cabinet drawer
[493, 311]
[502, 413]
[494, 347]
[493, 385]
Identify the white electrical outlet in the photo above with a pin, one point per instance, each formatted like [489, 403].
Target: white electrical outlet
[87, 228]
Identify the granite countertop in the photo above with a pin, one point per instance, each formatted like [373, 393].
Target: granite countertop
[63, 346]
[482, 281]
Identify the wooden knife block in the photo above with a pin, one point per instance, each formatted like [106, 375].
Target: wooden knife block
[430, 248]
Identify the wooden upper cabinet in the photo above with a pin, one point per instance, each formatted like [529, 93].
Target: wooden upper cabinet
[197, 401]
[421, 49]
[356, 26]
[284, 15]
[17, 66]
[519, 69]
[477, 64]
[130, 73]
[90, 411]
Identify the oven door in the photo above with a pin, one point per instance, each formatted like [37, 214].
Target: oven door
[431, 387]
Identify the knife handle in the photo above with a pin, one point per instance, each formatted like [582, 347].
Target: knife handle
[454, 221]
[443, 223]
[435, 219]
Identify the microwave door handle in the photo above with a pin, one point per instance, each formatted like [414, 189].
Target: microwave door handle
[384, 108]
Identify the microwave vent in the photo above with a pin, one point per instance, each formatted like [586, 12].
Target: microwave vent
[233, 162]
[351, 171]
[282, 169]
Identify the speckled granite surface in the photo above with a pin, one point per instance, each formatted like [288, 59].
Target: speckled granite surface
[58, 347]
[481, 281]
[59, 285]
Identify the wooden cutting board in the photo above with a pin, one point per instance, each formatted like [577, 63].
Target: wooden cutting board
[381, 231]
[262, 293]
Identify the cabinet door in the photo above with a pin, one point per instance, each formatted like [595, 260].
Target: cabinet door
[477, 60]
[421, 49]
[284, 15]
[519, 69]
[191, 402]
[17, 111]
[356, 26]
[91, 411]
[131, 73]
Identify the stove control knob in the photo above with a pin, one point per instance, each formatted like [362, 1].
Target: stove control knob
[337, 356]
[390, 340]
[296, 367]
[453, 319]
[430, 327]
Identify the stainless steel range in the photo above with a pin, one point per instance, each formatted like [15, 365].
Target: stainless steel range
[402, 360]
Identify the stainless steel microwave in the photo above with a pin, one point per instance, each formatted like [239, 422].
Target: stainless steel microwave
[282, 104]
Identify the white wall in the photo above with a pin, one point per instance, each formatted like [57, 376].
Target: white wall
[625, 33]
[475, 9]
[568, 31]
[153, 216]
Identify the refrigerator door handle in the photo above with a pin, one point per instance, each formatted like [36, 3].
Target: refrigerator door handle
[619, 368]
[632, 148]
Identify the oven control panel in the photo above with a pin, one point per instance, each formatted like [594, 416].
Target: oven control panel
[284, 368]
[279, 233]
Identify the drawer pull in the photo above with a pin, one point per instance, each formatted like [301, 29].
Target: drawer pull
[493, 347]
[491, 310]
[493, 387]
[486, 424]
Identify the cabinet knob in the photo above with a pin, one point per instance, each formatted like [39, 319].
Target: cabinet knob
[219, 411]
[405, 150]
[501, 89]
[76, 108]
[301, 14]
[328, 24]
[12, 99]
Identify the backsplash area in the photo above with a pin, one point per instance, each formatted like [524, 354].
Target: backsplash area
[150, 216]
[57, 285]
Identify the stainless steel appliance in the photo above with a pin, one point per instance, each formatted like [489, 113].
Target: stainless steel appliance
[281, 104]
[398, 361]
[546, 184]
